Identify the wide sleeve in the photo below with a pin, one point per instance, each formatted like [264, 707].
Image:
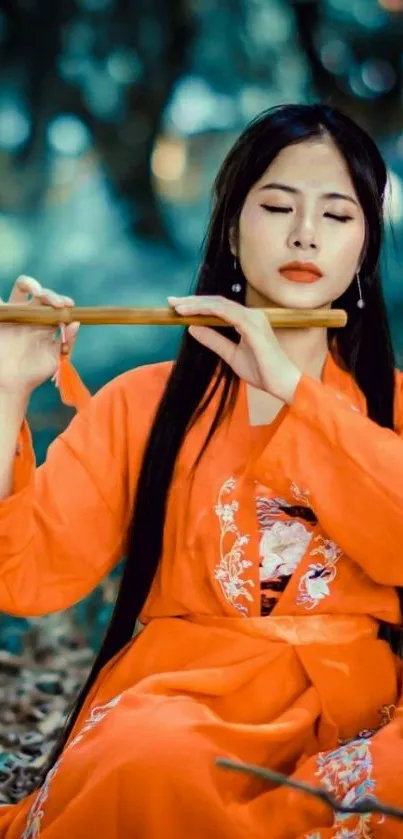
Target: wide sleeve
[64, 526]
[349, 471]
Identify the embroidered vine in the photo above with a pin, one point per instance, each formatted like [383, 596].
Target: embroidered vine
[314, 584]
[231, 569]
[37, 812]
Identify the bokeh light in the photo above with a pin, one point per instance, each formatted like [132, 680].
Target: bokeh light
[394, 197]
[335, 55]
[14, 125]
[196, 107]
[124, 66]
[169, 159]
[392, 5]
[68, 135]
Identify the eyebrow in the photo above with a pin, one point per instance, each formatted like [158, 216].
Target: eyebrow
[293, 191]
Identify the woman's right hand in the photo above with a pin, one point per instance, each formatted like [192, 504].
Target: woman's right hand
[29, 355]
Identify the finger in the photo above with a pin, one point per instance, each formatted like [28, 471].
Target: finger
[24, 285]
[65, 337]
[214, 341]
[47, 297]
[48, 292]
[199, 299]
[40, 296]
[70, 333]
[233, 313]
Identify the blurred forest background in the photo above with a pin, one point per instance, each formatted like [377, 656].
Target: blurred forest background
[114, 117]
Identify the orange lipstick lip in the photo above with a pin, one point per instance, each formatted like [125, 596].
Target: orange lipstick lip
[301, 272]
[296, 275]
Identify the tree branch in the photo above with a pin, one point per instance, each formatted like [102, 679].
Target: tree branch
[366, 805]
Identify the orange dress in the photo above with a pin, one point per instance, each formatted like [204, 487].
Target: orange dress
[306, 688]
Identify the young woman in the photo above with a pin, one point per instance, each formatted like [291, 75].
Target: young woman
[255, 486]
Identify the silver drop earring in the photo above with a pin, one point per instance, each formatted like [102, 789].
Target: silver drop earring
[360, 301]
[236, 287]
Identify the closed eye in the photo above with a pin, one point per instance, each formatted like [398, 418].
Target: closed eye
[338, 218]
[271, 209]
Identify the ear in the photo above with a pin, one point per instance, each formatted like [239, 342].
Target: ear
[233, 240]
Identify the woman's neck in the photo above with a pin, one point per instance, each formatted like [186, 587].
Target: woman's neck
[307, 348]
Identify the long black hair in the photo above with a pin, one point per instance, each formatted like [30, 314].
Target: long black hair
[363, 347]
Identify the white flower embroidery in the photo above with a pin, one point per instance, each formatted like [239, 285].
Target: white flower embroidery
[314, 584]
[231, 568]
[37, 812]
[282, 546]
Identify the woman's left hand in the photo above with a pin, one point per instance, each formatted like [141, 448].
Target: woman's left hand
[258, 358]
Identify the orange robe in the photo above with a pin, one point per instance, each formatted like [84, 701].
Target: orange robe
[306, 690]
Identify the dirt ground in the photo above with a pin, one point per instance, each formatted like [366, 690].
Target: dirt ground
[37, 690]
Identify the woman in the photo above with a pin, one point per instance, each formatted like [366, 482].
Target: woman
[264, 549]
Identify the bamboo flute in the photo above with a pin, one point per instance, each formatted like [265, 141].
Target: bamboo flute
[105, 315]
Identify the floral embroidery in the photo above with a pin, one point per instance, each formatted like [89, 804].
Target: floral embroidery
[232, 566]
[300, 495]
[346, 773]
[37, 812]
[272, 508]
[282, 546]
[386, 713]
[314, 584]
[269, 508]
[285, 530]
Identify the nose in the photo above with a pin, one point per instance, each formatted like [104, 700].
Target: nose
[303, 235]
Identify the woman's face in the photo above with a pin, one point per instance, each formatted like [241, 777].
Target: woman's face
[303, 210]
